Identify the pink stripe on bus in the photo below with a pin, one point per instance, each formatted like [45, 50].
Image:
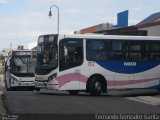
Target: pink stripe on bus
[62, 80]
[128, 82]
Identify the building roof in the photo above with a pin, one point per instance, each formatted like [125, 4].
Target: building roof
[130, 30]
[148, 25]
[150, 19]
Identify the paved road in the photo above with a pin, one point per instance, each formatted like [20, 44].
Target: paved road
[24, 102]
[49, 103]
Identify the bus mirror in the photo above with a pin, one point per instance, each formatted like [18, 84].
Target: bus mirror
[65, 51]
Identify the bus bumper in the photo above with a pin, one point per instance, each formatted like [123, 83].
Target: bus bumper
[53, 85]
[21, 84]
[46, 85]
[41, 85]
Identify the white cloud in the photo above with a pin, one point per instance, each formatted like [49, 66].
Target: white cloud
[25, 27]
[53, 2]
[67, 31]
[74, 23]
[74, 10]
[112, 20]
[3, 1]
[135, 9]
[133, 22]
[100, 11]
[32, 45]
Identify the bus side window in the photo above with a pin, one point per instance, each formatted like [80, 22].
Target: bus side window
[155, 56]
[74, 55]
[96, 50]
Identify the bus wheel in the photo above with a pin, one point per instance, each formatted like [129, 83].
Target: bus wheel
[95, 88]
[37, 89]
[8, 89]
[73, 92]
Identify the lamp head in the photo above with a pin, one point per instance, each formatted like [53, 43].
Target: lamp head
[50, 13]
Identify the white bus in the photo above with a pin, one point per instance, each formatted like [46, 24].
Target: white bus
[20, 69]
[97, 63]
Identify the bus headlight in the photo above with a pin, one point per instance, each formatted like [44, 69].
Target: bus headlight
[52, 77]
[13, 80]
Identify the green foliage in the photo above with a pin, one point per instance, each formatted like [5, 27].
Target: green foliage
[2, 64]
[2, 57]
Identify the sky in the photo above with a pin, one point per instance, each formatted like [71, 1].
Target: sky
[22, 21]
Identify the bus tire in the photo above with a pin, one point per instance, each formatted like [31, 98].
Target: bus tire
[37, 89]
[73, 92]
[95, 87]
[8, 89]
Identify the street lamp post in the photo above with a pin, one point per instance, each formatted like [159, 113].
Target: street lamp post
[50, 15]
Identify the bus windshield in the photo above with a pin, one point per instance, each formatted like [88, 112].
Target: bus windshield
[23, 64]
[47, 51]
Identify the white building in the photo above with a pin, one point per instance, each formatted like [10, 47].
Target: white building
[151, 24]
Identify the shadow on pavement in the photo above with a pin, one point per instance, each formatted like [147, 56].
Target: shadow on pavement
[135, 94]
[124, 93]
